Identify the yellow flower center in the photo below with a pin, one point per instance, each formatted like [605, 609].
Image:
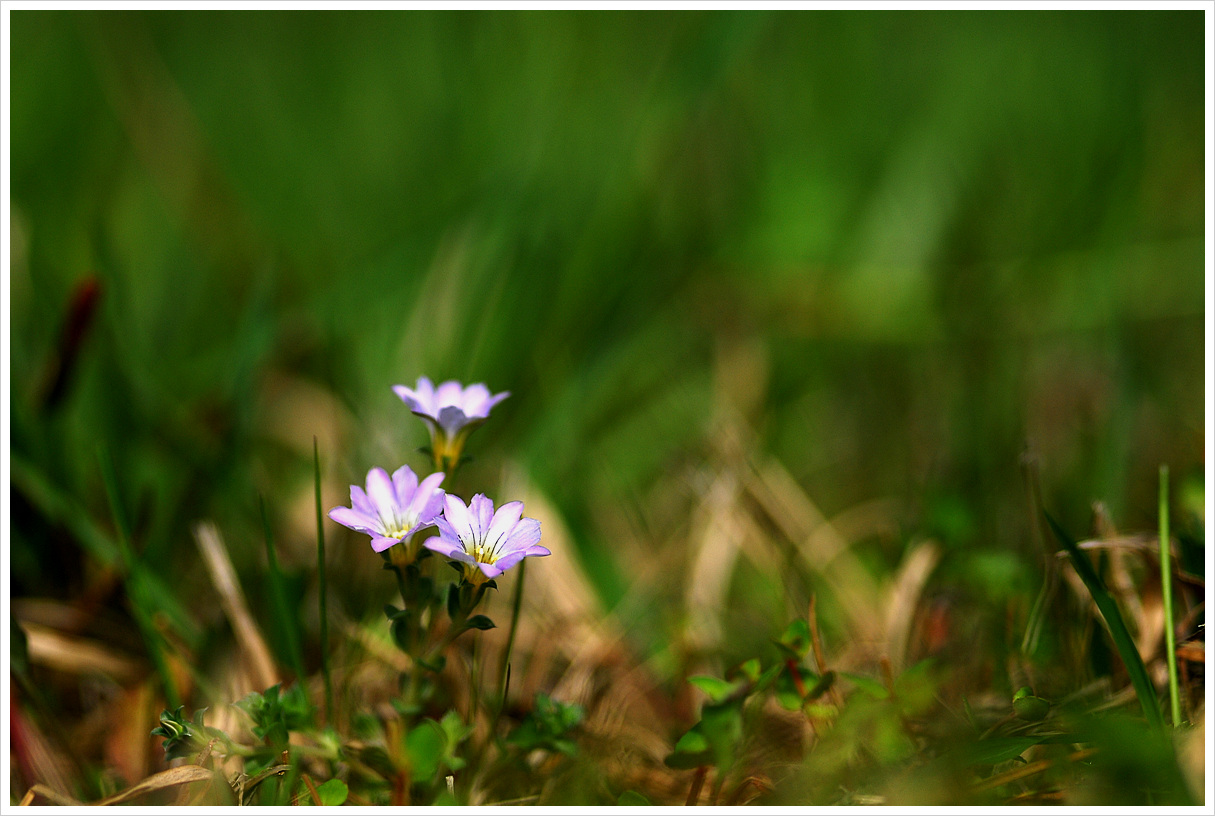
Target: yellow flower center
[397, 532]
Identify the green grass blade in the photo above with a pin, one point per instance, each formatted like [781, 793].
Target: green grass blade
[320, 571]
[1123, 641]
[135, 586]
[60, 508]
[278, 595]
[1166, 580]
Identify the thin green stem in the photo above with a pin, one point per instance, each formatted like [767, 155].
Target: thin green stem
[475, 673]
[321, 589]
[504, 669]
[1166, 579]
[456, 629]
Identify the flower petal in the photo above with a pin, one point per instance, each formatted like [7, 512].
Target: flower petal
[404, 485]
[446, 531]
[504, 520]
[482, 510]
[425, 390]
[490, 570]
[475, 397]
[449, 393]
[445, 547]
[458, 518]
[427, 501]
[360, 502]
[379, 490]
[494, 400]
[408, 396]
[381, 543]
[509, 560]
[523, 535]
[355, 520]
[451, 419]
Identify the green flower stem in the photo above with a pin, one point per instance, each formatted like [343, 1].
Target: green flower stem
[457, 628]
[504, 670]
[1166, 579]
[401, 587]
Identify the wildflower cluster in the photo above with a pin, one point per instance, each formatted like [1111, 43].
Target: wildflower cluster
[422, 750]
[411, 518]
[482, 541]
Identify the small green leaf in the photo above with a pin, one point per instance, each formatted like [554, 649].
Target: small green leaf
[765, 680]
[1030, 708]
[820, 688]
[566, 746]
[632, 798]
[547, 726]
[693, 742]
[715, 687]
[722, 725]
[786, 691]
[481, 622]
[750, 670]
[333, 793]
[424, 744]
[692, 751]
[456, 732]
[795, 640]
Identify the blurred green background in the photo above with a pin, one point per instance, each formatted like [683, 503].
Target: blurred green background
[899, 249]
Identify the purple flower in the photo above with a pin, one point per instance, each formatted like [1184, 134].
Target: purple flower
[488, 543]
[451, 411]
[391, 510]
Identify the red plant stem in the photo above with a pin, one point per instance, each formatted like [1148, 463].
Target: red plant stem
[798, 683]
[698, 782]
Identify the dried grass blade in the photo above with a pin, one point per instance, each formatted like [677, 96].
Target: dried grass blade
[232, 599]
[181, 775]
[53, 795]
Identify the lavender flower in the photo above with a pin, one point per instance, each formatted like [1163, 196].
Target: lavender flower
[451, 412]
[487, 543]
[392, 510]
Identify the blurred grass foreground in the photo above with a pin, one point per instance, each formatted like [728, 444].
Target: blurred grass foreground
[808, 319]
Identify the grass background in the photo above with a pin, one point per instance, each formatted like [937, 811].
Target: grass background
[892, 252]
